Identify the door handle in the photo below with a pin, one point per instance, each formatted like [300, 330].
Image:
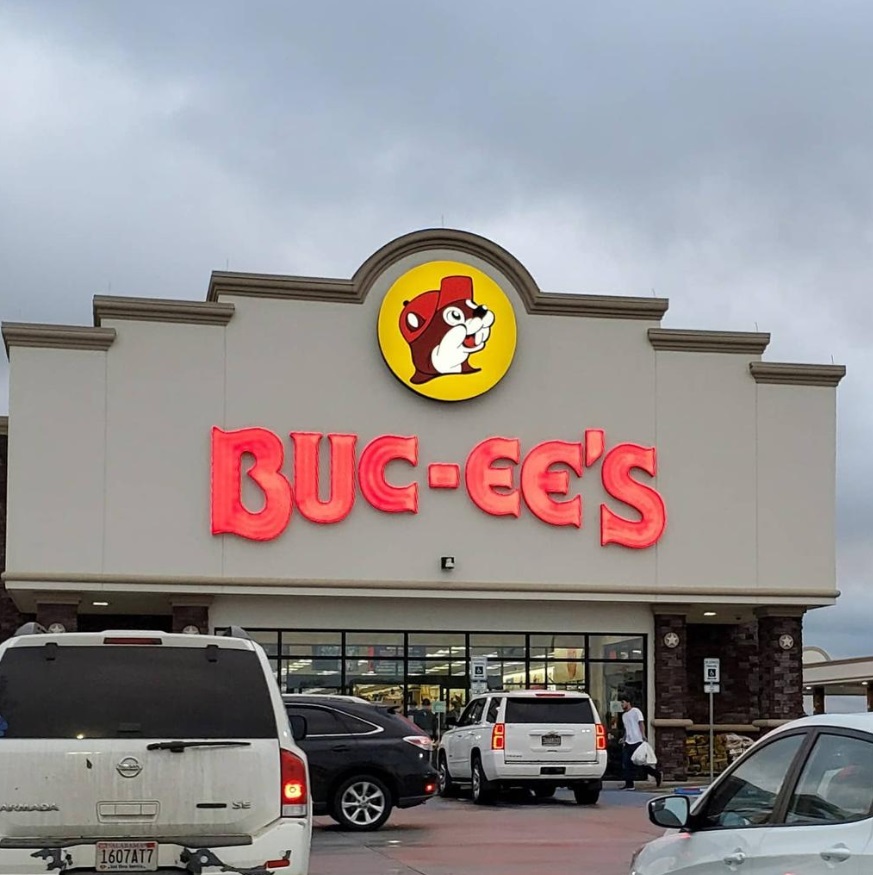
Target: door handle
[735, 859]
[838, 854]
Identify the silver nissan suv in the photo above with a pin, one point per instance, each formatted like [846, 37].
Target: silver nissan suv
[147, 752]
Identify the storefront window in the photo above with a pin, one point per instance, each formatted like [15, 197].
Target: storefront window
[374, 644]
[268, 640]
[615, 647]
[562, 647]
[498, 647]
[431, 645]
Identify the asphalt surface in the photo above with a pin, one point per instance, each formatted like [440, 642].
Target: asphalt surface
[516, 836]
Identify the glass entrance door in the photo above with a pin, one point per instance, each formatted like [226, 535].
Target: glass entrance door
[447, 697]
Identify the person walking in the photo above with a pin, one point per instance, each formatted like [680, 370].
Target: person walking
[425, 719]
[634, 736]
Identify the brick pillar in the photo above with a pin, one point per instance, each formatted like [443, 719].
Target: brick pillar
[671, 695]
[869, 697]
[780, 646]
[818, 700]
[10, 617]
[187, 614]
[63, 612]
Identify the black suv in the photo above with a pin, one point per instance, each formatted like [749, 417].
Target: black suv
[364, 759]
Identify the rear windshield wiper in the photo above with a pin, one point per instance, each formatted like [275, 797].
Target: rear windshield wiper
[179, 746]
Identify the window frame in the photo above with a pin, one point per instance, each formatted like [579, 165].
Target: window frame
[340, 716]
[819, 732]
[780, 804]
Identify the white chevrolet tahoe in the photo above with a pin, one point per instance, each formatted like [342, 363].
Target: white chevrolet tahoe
[147, 752]
[527, 738]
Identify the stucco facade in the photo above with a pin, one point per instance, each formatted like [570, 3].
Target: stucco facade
[111, 477]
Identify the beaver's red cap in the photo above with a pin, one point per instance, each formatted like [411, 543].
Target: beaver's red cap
[418, 313]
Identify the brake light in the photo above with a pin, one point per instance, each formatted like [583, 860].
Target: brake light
[498, 737]
[136, 641]
[293, 795]
[600, 736]
[279, 864]
[549, 695]
[421, 741]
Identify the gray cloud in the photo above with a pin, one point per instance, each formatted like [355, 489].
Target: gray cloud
[719, 153]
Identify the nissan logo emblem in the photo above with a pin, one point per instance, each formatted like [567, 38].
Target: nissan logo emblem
[129, 767]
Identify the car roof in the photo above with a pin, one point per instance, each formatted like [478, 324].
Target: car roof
[536, 694]
[861, 721]
[325, 697]
[98, 639]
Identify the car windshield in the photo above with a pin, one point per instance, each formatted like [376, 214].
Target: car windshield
[133, 692]
[546, 710]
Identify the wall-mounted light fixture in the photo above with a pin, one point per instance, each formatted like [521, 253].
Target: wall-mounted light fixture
[447, 563]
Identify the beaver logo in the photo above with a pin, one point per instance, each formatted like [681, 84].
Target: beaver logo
[444, 328]
[436, 330]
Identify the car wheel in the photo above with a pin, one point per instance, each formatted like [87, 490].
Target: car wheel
[544, 792]
[587, 794]
[482, 787]
[447, 786]
[361, 803]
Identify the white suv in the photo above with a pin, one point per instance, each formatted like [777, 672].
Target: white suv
[528, 738]
[145, 751]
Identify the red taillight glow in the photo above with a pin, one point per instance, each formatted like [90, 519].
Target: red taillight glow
[278, 864]
[600, 734]
[498, 737]
[294, 796]
[429, 788]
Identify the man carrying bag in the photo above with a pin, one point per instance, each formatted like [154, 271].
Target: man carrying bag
[636, 751]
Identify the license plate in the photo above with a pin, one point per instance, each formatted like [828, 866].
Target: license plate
[127, 856]
[551, 740]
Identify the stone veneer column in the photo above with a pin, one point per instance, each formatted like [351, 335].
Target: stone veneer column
[671, 695]
[780, 648]
[191, 612]
[57, 609]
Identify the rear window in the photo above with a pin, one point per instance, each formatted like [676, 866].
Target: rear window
[548, 711]
[129, 691]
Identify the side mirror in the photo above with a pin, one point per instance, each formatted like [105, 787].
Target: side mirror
[671, 812]
[298, 726]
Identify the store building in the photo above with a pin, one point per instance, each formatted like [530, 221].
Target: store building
[384, 477]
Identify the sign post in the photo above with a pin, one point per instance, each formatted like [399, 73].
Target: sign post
[711, 685]
[478, 675]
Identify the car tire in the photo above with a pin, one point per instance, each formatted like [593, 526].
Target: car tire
[447, 787]
[544, 792]
[361, 803]
[587, 794]
[483, 789]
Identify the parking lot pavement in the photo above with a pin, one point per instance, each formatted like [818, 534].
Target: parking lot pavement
[519, 836]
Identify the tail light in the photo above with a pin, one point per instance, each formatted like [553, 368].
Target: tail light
[136, 642]
[294, 795]
[422, 741]
[600, 736]
[498, 737]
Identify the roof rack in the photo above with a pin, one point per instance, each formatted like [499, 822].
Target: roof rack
[30, 629]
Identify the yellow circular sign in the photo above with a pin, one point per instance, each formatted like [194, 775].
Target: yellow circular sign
[447, 331]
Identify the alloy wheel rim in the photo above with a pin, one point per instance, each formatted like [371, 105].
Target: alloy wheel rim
[444, 776]
[363, 803]
[477, 781]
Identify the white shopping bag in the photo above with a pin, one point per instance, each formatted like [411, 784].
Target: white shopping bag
[644, 755]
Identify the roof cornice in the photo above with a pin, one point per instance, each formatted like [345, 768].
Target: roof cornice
[355, 290]
[162, 310]
[56, 336]
[797, 375]
[683, 340]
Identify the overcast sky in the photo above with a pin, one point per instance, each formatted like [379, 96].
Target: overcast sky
[718, 153]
